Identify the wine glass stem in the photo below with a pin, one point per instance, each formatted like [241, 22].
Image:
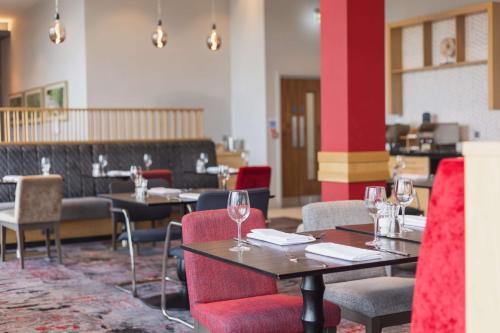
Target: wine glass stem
[375, 226]
[239, 235]
[403, 211]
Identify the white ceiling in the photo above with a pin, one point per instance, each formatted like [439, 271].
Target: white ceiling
[12, 6]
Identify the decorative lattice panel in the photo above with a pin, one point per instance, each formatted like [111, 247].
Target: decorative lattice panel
[412, 40]
[476, 37]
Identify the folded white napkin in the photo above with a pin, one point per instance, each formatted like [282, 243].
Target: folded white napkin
[414, 221]
[189, 196]
[118, 173]
[11, 178]
[343, 252]
[163, 191]
[414, 176]
[215, 170]
[279, 237]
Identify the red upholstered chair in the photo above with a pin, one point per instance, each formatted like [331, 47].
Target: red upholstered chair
[439, 296]
[253, 177]
[158, 174]
[229, 299]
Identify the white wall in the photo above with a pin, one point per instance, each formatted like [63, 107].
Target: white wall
[126, 70]
[248, 77]
[292, 50]
[451, 95]
[30, 60]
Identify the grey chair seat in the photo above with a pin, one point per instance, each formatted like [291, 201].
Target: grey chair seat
[150, 235]
[373, 297]
[85, 208]
[73, 209]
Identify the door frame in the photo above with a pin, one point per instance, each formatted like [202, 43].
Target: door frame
[277, 111]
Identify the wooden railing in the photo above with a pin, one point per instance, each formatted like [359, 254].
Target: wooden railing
[99, 124]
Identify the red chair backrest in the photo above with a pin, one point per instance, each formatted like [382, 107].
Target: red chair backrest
[253, 177]
[210, 280]
[439, 297]
[159, 174]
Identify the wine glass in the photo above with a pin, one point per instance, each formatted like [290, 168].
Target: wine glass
[238, 208]
[404, 193]
[204, 158]
[135, 174]
[103, 162]
[375, 199]
[45, 164]
[148, 161]
[224, 175]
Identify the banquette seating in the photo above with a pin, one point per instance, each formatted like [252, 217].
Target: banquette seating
[73, 161]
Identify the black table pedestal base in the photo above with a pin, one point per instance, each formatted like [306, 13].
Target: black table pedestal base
[174, 301]
[313, 318]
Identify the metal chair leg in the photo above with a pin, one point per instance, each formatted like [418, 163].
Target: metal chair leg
[164, 277]
[3, 239]
[113, 234]
[20, 245]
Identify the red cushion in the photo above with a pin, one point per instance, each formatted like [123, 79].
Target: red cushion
[439, 297]
[260, 314]
[159, 174]
[253, 177]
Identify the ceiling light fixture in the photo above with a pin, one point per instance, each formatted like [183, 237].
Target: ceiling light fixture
[214, 41]
[159, 36]
[57, 34]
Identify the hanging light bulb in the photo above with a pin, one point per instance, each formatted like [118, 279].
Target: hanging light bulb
[57, 33]
[214, 41]
[159, 36]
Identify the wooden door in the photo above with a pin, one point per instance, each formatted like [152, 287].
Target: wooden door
[300, 142]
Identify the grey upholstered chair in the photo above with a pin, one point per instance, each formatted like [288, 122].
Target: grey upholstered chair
[367, 296]
[38, 205]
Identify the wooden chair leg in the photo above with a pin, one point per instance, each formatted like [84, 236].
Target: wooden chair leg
[57, 237]
[3, 238]
[20, 245]
[113, 235]
[47, 241]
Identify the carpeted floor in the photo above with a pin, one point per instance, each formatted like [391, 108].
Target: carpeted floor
[79, 296]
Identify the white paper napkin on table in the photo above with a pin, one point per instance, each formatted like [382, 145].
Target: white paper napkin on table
[189, 196]
[214, 170]
[163, 191]
[11, 178]
[279, 237]
[414, 221]
[343, 252]
[118, 173]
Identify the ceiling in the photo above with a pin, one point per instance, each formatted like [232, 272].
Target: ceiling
[8, 7]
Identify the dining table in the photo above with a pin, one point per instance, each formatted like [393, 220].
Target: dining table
[277, 262]
[176, 300]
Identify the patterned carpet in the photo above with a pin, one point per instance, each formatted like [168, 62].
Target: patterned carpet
[79, 296]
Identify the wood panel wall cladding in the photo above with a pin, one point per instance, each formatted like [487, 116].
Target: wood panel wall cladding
[451, 39]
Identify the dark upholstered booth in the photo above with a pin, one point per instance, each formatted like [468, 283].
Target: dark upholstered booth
[73, 161]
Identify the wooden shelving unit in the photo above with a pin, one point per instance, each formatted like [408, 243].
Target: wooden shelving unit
[394, 33]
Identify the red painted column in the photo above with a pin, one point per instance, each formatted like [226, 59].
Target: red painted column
[352, 85]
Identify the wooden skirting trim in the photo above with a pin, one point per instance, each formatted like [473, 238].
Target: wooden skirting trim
[353, 167]
[111, 141]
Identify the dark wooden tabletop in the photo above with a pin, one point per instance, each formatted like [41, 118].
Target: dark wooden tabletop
[273, 260]
[151, 200]
[367, 229]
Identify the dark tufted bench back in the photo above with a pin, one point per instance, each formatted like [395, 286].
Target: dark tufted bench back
[74, 162]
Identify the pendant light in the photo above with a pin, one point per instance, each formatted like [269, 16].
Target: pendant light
[159, 36]
[57, 34]
[213, 41]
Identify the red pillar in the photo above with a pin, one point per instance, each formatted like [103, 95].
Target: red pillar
[352, 98]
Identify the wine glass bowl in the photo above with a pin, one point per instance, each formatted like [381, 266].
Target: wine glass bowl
[148, 160]
[238, 209]
[45, 165]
